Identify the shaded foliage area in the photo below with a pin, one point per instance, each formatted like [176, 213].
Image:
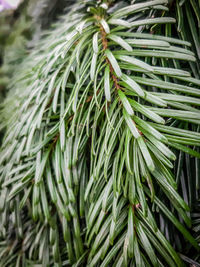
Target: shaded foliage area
[100, 160]
[21, 29]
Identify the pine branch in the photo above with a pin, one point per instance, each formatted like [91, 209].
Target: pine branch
[95, 121]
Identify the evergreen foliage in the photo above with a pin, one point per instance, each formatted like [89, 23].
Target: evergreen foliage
[21, 29]
[100, 159]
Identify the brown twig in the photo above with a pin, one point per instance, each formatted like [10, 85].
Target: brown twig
[105, 46]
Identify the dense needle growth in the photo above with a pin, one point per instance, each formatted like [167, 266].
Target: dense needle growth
[100, 159]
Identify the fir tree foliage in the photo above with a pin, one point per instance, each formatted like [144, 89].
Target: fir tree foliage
[95, 118]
